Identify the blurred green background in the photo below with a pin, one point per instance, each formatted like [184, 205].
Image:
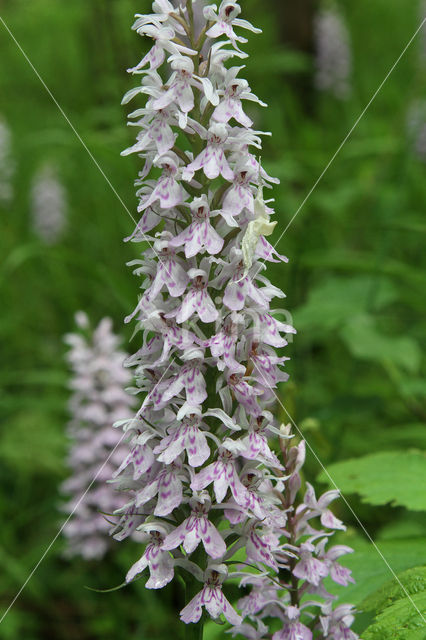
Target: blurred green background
[355, 284]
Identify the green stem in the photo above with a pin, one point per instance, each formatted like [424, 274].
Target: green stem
[194, 631]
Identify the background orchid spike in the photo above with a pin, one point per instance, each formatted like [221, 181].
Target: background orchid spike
[333, 53]
[7, 164]
[49, 205]
[203, 474]
[98, 400]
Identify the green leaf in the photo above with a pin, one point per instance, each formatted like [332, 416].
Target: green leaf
[382, 478]
[366, 342]
[371, 571]
[334, 301]
[409, 582]
[401, 621]
[411, 524]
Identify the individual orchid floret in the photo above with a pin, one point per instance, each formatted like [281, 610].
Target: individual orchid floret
[166, 488]
[215, 64]
[238, 387]
[212, 160]
[256, 445]
[238, 285]
[156, 134]
[190, 379]
[179, 91]
[158, 561]
[185, 436]
[197, 300]
[239, 196]
[140, 457]
[223, 475]
[168, 191]
[212, 598]
[320, 507]
[261, 545]
[169, 274]
[98, 400]
[163, 37]
[223, 344]
[310, 568]
[200, 235]
[341, 575]
[267, 366]
[335, 623]
[230, 106]
[195, 529]
[225, 20]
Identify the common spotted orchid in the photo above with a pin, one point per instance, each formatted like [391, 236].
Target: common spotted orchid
[207, 368]
[98, 400]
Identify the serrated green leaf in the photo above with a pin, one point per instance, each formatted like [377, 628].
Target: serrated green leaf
[401, 621]
[382, 478]
[366, 342]
[409, 582]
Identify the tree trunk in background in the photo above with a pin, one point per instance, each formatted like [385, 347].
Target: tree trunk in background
[296, 28]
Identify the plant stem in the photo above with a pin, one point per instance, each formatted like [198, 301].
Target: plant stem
[194, 631]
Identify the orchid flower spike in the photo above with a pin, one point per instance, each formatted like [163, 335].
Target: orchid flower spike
[204, 473]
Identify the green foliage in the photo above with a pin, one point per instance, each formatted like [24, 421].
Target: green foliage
[334, 301]
[336, 304]
[373, 566]
[408, 583]
[365, 342]
[381, 478]
[401, 621]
